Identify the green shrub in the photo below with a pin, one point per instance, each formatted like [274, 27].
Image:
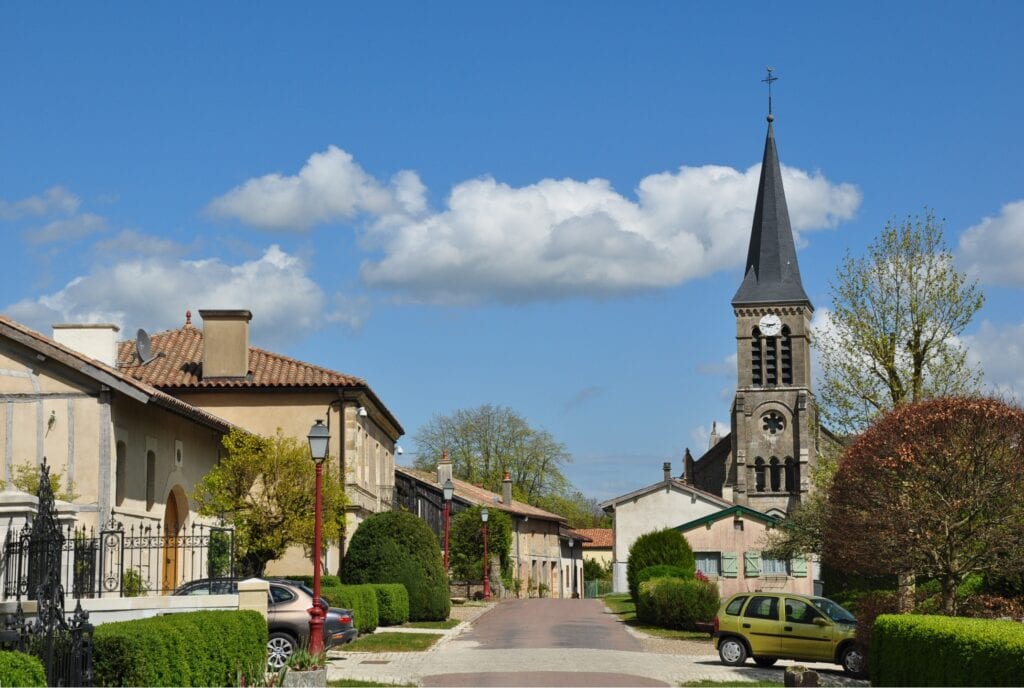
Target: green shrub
[677, 602]
[205, 648]
[327, 581]
[392, 603]
[913, 650]
[467, 543]
[658, 547]
[20, 669]
[397, 547]
[361, 599]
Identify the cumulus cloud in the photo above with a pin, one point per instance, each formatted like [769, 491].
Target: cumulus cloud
[999, 350]
[55, 200]
[134, 243]
[154, 292]
[67, 229]
[993, 249]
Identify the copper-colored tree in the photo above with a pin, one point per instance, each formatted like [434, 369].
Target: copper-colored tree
[936, 488]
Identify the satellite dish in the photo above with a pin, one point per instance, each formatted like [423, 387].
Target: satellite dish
[143, 347]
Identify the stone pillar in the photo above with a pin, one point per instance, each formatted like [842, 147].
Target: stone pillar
[252, 594]
[16, 508]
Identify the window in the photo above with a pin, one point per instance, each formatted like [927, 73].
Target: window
[736, 605]
[776, 474]
[786, 357]
[773, 423]
[280, 594]
[708, 563]
[761, 607]
[792, 469]
[120, 478]
[798, 611]
[150, 479]
[771, 372]
[774, 567]
[759, 474]
[755, 356]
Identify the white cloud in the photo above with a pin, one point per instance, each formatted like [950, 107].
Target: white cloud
[993, 249]
[1000, 351]
[134, 243]
[727, 366]
[54, 200]
[67, 229]
[701, 436]
[154, 292]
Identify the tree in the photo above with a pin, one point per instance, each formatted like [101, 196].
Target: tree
[486, 441]
[579, 510]
[655, 548]
[265, 487]
[892, 333]
[467, 543]
[936, 488]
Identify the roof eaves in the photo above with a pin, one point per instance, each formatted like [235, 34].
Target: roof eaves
[731, 511]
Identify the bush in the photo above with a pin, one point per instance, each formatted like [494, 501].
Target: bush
[913, 650]
[467, 542]
[20, 669]
[658, 547]
[361, 599]
[663, 571]
[205, 648]
[397, 547]
[392, 603]
[677, 602]
[327, 581]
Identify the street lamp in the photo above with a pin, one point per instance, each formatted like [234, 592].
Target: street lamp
[487, 577]
[319, 437]
[449, 491]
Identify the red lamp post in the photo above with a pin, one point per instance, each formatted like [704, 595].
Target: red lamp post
[319, 437]
[449, 491]
[487, 575]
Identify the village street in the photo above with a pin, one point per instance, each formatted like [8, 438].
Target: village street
[553, 642]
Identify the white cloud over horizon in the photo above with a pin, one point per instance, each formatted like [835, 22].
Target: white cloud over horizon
[55, 200]
[993, 249]
[547, 240]
[999, 348]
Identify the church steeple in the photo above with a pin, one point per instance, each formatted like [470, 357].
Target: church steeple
[772, 273]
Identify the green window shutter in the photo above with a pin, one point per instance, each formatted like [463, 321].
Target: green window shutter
[798, 566]
[751, 564]
[728, 564]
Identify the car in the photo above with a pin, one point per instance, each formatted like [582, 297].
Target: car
[288, 604]
[769, 626]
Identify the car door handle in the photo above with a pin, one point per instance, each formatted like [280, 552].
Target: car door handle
[788, 628]
[746, 625]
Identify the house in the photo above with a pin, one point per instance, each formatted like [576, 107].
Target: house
[131, 452]
[215, 369]
[727, 547]
[545, 551]
[598, 546]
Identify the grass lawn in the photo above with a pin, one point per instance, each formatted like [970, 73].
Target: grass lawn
[393, 642]
[708, 683]
[355, 683]
[621, 605]
[447, 623]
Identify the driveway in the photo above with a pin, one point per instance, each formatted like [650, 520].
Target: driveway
[545, 642]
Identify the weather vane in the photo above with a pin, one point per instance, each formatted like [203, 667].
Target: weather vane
[768, 80]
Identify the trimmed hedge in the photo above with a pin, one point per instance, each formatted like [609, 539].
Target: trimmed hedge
[20, 669]
[914, 650]
[205, 648]
[361, 599]
[677, 602]
[392, 603]
[326, 581]
[666, 546]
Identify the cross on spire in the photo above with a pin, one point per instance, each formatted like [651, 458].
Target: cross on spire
[768, 80]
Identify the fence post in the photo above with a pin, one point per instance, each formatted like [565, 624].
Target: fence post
[17, 508]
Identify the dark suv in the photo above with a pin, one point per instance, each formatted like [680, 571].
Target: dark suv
[288, 606]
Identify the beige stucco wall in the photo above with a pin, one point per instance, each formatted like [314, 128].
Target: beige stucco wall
[724, 535]
[602, 556]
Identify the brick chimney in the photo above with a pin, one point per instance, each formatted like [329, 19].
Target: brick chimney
[667, 468]
[225, 343]
[95, 340]
[688, 467]
[444, 469]
[506, 489]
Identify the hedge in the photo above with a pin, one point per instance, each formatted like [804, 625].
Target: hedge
[206, 648]
[915, 650]
[20, 669]
[361, 599]
[676, 602]
[326, 581]
[666, 546]
[392, 603]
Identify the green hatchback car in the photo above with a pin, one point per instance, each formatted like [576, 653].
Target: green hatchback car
[769, 626]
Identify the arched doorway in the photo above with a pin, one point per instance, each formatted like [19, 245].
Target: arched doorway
[175, 513]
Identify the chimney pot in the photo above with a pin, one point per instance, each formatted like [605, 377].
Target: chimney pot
[444, 469]
[225, 343]
[95, 340]
[506, 489]
[667, 468]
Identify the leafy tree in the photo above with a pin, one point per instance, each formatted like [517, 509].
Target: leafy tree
[466, 538]
[658, 547]
[580, 511]
[26, 479]
[265, 487]
[595, 570]
[486, 441]
[892, 334]
[936, 488]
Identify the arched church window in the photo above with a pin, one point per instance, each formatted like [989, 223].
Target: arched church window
[759, 474]
[792, 470]
[786, 356]
[775, 471]
[755, 356]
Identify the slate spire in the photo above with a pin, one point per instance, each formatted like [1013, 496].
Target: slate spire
[772, 273]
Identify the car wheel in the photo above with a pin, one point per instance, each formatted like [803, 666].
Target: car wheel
[853, 662]
[765, 661]
[279, 648]
[732, 651]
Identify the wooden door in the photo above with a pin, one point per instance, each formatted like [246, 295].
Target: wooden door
[170, 553]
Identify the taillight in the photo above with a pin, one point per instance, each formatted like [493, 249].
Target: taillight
[348, 619]
[716, 623]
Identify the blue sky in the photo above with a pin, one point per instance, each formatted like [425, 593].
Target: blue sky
[539, 205]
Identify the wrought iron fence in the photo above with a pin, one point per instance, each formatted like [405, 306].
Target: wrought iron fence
[119, 561]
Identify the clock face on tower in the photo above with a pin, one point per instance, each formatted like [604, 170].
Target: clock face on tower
[770, 325]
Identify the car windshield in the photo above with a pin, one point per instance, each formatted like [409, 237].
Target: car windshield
[833, 610]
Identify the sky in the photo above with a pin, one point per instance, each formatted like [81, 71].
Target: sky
[540, 205]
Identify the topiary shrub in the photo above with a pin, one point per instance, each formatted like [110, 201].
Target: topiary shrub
[677, 603]
[397, 547]
[361, 599]
[392, 603]
[658, 547]
[20, 669]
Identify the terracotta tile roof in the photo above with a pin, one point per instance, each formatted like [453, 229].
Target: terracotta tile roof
[94, 368]
[178, 365]
[599, 537]
[472, 494]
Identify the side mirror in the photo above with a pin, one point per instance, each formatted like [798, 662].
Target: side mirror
[818, 621]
